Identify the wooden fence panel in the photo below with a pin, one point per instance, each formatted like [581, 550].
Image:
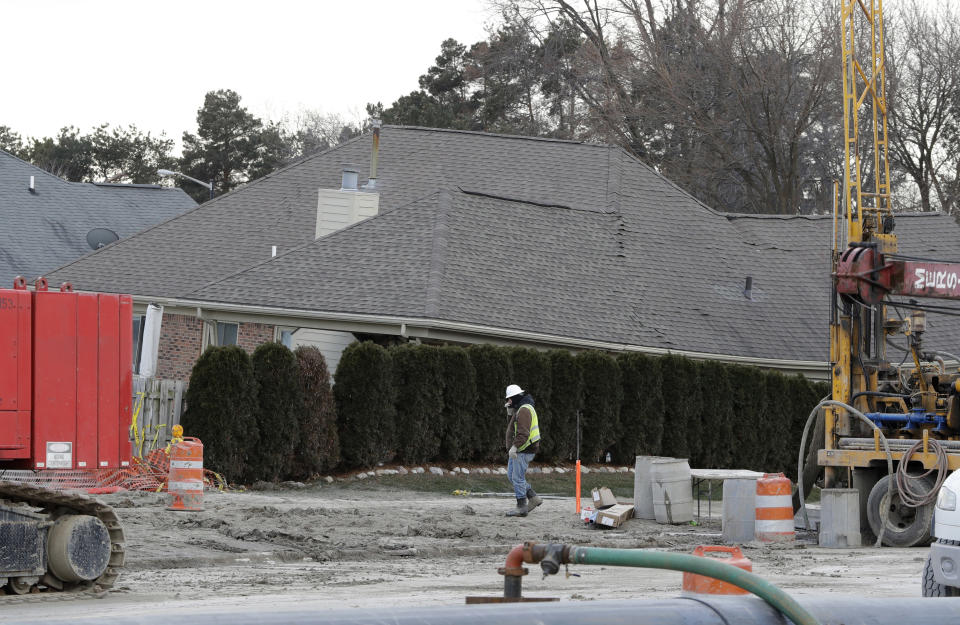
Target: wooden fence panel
[160, 411]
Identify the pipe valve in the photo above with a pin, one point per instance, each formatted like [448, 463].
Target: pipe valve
[550, 564]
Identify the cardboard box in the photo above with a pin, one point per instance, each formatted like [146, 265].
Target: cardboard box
[588, 515]
[603, 498]
[614, 516]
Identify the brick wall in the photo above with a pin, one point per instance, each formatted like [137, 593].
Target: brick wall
[180, 341]
[250, 336]
[181, 337]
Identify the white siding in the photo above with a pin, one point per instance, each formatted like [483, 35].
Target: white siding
[338, 209]
[329, 342]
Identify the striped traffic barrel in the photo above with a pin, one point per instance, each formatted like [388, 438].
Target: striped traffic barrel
[774, 509]
[185, 483]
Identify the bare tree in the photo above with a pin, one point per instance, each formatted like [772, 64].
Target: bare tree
[731, 99]
[924, 55]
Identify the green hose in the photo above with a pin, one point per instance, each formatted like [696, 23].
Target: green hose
[716, 569]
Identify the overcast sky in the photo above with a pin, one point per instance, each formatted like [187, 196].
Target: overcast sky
[150, 62]
[87, 62]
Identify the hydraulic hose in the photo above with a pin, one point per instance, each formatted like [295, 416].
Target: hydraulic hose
[885, 509]
[552, 555]
[910, 494]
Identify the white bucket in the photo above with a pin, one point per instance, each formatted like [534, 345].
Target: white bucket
[643, 487]
[672, 491]
[739, 505]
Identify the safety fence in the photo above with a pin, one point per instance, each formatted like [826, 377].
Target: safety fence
[147, 474]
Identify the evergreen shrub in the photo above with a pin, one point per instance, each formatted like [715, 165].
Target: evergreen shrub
[279, 404]
[600, 415]
[750, 408]
[641, 413]
[317, 447]
[457, 421]
[221, 400]
[491, 366]
[419, 401]
[364, 395]
[718, 447]
[675, 372]
[566, 399]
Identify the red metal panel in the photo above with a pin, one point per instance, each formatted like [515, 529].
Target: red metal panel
[126, 377]
[25, 355]
[12, 341]
[16, 375]
[54, 374]
[14, 435]
[108, 382]
[85, 455]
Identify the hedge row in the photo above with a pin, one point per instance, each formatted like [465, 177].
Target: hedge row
[269, 417]
[274, 416]
[416, 403]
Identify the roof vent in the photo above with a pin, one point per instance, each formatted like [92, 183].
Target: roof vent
[748, 288]
[349, 180]
[33, 186]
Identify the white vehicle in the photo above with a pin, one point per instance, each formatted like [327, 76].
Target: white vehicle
[941, 573]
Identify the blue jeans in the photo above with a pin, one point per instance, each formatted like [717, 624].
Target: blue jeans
[517, 472]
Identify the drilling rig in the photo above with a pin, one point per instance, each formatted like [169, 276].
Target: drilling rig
[898, 395]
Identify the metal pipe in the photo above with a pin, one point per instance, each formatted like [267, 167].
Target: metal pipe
[895, 443]
[374, 156]
[699, 610]
[513, 572]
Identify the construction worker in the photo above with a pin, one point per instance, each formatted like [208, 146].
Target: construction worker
[523, 442]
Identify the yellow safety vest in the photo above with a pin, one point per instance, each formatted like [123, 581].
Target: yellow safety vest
[534, 427]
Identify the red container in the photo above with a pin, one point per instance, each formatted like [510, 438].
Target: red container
[703, 585]
[15, 371]
[65, 378]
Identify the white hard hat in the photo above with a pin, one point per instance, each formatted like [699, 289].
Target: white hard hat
[513, 390]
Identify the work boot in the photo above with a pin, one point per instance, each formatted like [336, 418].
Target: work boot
[533, 500]
[521, 509]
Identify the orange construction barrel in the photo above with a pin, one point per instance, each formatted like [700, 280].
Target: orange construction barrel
[185, 482]
[703, 585]
[774, 509]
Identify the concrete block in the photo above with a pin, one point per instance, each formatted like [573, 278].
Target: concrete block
[839, 518]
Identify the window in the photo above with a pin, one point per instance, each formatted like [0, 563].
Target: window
[137, 341]
[285, 337]
[226, 333]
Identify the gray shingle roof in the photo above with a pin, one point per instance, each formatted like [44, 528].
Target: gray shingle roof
[46, 229]
[554, 237]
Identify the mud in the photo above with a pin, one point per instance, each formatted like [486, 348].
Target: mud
[337, 547]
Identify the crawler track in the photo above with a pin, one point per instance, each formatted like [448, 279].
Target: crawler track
[57, 504]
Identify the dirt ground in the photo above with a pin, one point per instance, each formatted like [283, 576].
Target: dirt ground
[331, 546]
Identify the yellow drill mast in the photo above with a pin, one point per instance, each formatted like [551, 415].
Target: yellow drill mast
[868, 214]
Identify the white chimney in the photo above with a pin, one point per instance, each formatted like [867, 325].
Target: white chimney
[273, 251]
[338, 208]
[33, 188]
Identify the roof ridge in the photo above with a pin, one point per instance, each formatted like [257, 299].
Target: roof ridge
[498, 135]
[438, 256]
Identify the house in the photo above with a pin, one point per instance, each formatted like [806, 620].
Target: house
[471, 237]
[49, 222]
